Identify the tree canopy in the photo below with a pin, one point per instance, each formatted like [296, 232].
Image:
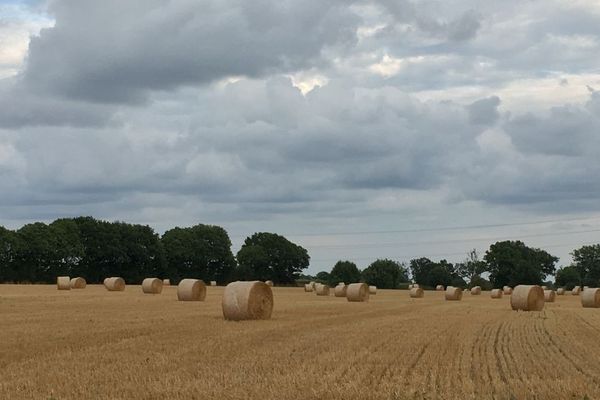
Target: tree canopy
[586, 260]
[385, 274]
[344, 271]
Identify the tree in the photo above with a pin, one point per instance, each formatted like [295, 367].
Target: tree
[385, 274]
[345, 271]
[586, 260]
[9, 249]
[324, 277]
[512, 263]
[420, 269]
[471, 268]
[568, 277]
[268, 256]
[428, 273]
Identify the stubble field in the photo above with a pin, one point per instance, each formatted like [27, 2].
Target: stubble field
[95, 344]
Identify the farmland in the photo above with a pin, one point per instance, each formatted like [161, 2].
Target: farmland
[92, 344]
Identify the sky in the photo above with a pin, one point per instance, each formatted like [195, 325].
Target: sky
[357, 129]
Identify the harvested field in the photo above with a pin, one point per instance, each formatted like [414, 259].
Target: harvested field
[127, 345]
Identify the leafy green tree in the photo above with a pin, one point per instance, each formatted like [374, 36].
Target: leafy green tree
[471, 268]
[9, 250]
[345, 271]
[586, 260]
[37, 259]
[512, 263]
[385, 274]
[268, 256]
[568, 277]
[324, 277]
[428, 273]
[420, 269]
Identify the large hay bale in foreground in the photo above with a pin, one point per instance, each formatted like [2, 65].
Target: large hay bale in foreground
[340, 291]
[152, 286]
[114, 284]
[191, 290]
[560, 291]
[416, 293]
[166, 282]
[78, 283]
[63, 283]
[497, 293]
[549, 296]
[322, 290]
[270, 283]
[357, 292]
[440, 288]
[373, 289]
[507, 290]
[476, 290]
[590, 298]
[247, 300]
[453, 293]
[308, 287]
[527, 298]
[576, 290]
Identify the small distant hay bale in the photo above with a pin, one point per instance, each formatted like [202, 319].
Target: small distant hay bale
[453, 293]
[340, 290]
[544, 287]
[440, 288]
[586, 287]
[527, 298]
[114, 284]
[507, 290]
[152, 286]
[63, 283]
[308, 287]
[549, 296]
[166, 282]
[416, 293]
[373, 289]
[105, 282]
[476, 290]
[191, 290]
[415, 285]
[410, 286]
[560, 291]
[247, 300]
[313, 284]
[322, 290]
[496, 293]
[357, 292]
[270, 283]
[213, 283]
[590, 298]
[78, 283]
[576, 290]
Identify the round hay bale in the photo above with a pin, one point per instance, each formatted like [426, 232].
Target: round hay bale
[507, 290]
[591, 298]
[313, 284]
[270, 283]
[63, 283]
[527, 298]
[213, 283]
[308, 287]
[549, 296]
[415, 285]
[560, 291]
[440, 288]
[105, 282]
[476, 290]
[78, 283]
[544, 287]
[416, 293]
[496, 293]
[340, 291]
[247, 300]
[322, 290]
[410, 286]
[152, 286]
[453, 293]
[585, 287]
[191, 290]
[576, 290]
[357, 292]
[114, 284]
[166, 282]
[373, 289]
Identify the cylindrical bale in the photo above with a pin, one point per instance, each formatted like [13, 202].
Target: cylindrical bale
[410, 286]
[476, 290]
[507, 290]
[527, 298]
[440, 288]
[357, 292]
[114, 284]
[270, 283]
[544, 287]
[560, 291]
[213, 283]
[340, 291]
[585, 287]
[152, 286]
[453, 293]
[78, 283]
[416, 285]
[166, 282]
[496, 293]
[373, 289]
[322, 290]
[416, 293]
[549, 296]
[63, 283]
[576, 290]
[191, 290]
[591, 298]
[247, 300]
[105, 282]
[313, 284]
[308, 287]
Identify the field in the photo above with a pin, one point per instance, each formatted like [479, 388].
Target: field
[94, 344]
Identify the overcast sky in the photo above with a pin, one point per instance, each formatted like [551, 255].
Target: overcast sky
[358, 129]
